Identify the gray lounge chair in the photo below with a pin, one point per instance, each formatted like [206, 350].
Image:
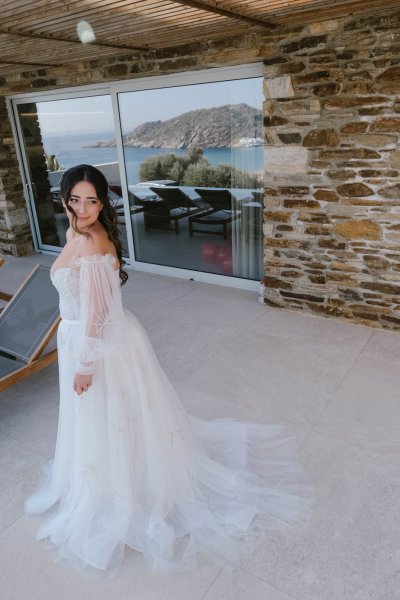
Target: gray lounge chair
[27, 324]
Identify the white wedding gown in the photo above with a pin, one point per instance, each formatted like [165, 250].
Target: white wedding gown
[132, 467]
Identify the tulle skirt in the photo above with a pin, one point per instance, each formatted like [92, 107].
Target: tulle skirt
[132, 467]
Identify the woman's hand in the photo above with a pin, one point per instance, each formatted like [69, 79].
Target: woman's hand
[82, 383]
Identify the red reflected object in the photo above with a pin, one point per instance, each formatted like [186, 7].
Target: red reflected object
[224, 254]
[227, 266]
[210, 252]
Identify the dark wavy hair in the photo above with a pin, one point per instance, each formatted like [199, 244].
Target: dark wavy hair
[107, 216]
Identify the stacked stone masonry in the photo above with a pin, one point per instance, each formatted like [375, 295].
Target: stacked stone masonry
[15, 231]
[332, 158]
[332, 187]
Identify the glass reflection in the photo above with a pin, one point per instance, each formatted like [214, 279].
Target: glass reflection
[194, 162]
[60, 134]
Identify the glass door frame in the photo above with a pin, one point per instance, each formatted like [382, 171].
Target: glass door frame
[210, 75]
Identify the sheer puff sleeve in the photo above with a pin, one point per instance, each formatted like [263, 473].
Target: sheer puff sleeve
[101, 311]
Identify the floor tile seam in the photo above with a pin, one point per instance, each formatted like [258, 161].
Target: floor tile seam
[305, 440]
[7, 527]
[278, 419]
[289, 596]
[331, 398]
[213, 580]
[329, 401]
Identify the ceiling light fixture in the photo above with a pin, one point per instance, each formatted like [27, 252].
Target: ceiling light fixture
[85, 32]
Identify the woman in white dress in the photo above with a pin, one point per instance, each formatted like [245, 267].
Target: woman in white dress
[131, 466]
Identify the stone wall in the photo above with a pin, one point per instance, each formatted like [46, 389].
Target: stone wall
[15, 231]
[332, 121]
[332, 203]
[41, 191]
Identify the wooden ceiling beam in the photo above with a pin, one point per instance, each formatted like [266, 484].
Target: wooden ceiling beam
[50, 38]
[224, 12]
[27, 64]
[24, 63]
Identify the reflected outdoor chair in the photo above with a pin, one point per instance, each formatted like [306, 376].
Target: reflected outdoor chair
[135, 203]
[173, 206]
[223, 209]
[27, 325]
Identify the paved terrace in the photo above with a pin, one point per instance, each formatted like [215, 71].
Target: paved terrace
[334, 384]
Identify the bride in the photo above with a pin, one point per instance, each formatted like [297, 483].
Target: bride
[131, 466]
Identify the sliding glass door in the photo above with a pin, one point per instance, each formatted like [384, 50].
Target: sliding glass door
[184, 162]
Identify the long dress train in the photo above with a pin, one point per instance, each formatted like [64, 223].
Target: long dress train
[132, 467]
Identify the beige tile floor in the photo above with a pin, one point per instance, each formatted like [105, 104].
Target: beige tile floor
[334, 384]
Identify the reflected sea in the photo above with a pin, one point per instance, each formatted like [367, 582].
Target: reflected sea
[71, 151]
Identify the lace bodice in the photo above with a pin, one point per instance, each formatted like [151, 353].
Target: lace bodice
[90, 296]
[66, 282]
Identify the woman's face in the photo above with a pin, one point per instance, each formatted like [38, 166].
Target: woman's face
[85, 204]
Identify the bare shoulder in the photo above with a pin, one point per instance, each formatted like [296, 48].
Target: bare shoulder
[96, 242]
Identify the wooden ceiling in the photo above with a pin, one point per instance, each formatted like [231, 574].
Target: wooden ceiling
[42, 33]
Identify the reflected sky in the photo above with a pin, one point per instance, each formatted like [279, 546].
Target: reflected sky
[94, 114]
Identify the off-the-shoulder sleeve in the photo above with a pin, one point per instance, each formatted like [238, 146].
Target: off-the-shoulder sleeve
[101, 311]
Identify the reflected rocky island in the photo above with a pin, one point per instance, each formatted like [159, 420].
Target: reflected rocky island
[228, 126]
